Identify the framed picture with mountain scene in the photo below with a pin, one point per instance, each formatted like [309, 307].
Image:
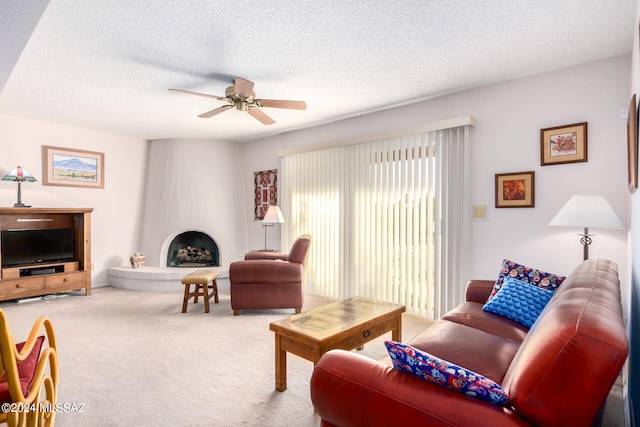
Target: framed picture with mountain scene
[563, 144]
[72, 168]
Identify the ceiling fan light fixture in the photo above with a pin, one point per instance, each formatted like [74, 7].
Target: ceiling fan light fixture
[242, 105]
[243, 98]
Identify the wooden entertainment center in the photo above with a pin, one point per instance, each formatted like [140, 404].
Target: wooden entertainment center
[42, 278]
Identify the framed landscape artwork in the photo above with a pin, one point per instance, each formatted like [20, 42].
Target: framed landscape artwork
[265, 191]
[72, 168]
[563, 144]
[515, 190]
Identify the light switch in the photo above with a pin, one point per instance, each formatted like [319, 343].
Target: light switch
[479, 211]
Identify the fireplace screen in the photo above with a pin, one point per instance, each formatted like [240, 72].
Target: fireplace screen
[193, 249]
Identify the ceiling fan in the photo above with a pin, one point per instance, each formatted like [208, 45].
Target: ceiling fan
[243, 98]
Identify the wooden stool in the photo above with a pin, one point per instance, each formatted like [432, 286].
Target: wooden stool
[200, 278]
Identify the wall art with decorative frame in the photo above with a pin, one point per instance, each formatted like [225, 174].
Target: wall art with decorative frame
[563, 144]
[632, 144]
[515, 190]
[266, 190]
[72, 168]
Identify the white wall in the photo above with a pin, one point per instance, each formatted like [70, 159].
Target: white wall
[507, 139]
[117, 208]
[259, 157]
[194, 185]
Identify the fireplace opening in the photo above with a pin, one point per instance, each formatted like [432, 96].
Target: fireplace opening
[193, 249]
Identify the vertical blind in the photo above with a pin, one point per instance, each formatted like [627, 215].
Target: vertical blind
[388, 219]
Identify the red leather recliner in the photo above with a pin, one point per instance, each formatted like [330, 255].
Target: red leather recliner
[266, 280]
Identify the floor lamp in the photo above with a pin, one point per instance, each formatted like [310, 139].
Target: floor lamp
[272, 217]
[586, 212]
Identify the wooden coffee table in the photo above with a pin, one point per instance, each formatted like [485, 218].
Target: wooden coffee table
[346, 325]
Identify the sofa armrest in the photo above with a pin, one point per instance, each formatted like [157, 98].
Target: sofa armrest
[479, 290]
[343, 381]
[265, 271]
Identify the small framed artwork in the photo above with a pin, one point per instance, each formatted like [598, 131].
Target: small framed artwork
[632, 144]
[515, 190]
[72, 168]
[563, 144]
[266, 189]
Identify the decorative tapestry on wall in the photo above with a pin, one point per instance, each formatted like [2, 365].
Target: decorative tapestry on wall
[265, 191]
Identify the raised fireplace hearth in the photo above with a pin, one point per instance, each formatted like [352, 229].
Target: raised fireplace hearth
[193, 249]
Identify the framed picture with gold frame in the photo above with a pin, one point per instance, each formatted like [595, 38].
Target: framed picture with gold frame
[632, 144]
[563, 144]
[515, 190]
[68, 167]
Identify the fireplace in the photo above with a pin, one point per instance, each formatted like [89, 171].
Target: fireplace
[193, 249]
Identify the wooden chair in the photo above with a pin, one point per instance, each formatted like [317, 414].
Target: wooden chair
[29, 379]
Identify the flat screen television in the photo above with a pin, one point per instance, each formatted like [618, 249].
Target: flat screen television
[36, 246]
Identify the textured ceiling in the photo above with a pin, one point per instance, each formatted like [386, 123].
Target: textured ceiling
[107, 64]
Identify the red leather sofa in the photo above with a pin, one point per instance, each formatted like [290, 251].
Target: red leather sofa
[266, 280]
[558, 373]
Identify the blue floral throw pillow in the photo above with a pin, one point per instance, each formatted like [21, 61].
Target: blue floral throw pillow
[526, 274]
[434, 370]
[519, 301]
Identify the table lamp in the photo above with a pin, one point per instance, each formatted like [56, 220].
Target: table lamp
[20, 175]
[273, 216]
[586, 212]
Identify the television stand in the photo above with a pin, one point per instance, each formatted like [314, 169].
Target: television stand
[48, 277]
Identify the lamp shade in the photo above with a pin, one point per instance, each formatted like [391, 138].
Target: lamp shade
[19, 174]
[273, 216]
[587, 212]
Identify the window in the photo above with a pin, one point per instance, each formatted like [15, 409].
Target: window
[388, 219]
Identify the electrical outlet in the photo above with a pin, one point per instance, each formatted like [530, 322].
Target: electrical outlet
[478, 211]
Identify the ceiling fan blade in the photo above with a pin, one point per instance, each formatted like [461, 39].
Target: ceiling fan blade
[220, 98]
[261, 116]
[215, 111]
[281, 103]
[244, 87]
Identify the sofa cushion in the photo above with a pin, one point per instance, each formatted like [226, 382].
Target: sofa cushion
[526, 274]
[487, 354]
[26, 371]
[471, 314]
[443, 373]
[519, 301]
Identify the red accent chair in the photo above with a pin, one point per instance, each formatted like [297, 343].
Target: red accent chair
[266, 280]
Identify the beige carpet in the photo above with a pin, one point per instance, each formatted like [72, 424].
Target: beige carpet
[132, 358]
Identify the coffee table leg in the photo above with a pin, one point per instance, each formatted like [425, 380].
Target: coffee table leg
[396, 334]
[281, 366]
